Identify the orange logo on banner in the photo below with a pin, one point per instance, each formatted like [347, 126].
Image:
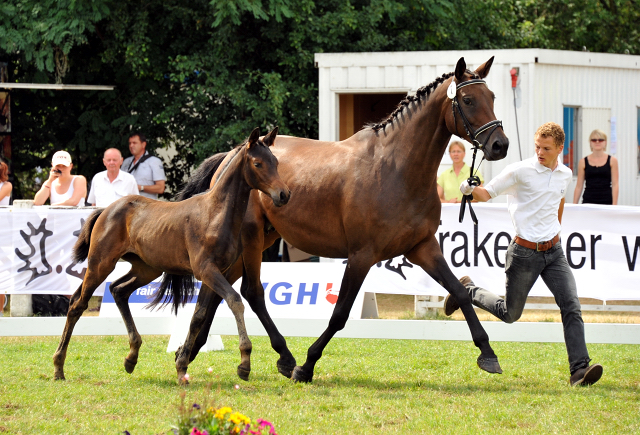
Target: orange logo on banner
[331, 297]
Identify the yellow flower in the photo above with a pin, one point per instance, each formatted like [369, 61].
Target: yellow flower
[220, 413]
[237, 418]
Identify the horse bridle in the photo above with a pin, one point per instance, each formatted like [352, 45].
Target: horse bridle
[473, 134]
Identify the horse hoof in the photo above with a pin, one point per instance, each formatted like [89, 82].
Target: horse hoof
[243, 373]
[58, 377]
[286, 371]
[129, 365]
[490, 365]
[299, 375]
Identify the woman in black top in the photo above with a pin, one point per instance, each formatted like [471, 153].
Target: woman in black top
[600, 172]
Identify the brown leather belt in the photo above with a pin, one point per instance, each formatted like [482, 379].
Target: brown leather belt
[541, 246]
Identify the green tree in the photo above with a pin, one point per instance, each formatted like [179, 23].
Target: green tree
[201, 75]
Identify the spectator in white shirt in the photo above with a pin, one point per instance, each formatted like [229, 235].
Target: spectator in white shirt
[110, 185]
[535, 190]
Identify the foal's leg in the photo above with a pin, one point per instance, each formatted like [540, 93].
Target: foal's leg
[231, 275]
[210, 312]
[253, 292]
[215, 280]
[96, 273]
[428, 255]
[139, 275]
[356, 271]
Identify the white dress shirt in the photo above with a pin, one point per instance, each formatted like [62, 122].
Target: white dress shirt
[534, 194]
[104, 192]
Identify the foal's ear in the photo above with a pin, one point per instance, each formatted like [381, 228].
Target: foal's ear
[270, 139]
[253, 138]
[461, 68]
[483, 70]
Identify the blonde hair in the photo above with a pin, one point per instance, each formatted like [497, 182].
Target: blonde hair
[458, 143]
[553, 130]
[598, 134]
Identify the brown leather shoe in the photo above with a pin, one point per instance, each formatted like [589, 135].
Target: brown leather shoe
[586, 376]
[450, 302]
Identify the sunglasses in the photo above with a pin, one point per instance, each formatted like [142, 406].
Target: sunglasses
[597, 140]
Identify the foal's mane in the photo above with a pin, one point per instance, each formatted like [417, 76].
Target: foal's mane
[236, 150]
[421, 94]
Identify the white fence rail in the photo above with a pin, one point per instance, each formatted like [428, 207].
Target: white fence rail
[543, 332]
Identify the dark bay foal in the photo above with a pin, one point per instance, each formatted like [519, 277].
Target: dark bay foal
[199, 237]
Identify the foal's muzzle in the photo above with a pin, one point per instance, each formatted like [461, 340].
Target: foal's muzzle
[280, 197]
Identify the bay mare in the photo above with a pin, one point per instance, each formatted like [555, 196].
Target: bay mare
[197, 237]
[368, 198]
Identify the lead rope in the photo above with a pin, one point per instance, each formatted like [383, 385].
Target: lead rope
[473, 179]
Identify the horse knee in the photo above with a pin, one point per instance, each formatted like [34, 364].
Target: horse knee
[509, 318]
[337, 323]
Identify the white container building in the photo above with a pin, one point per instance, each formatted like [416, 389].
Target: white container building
[581, 91]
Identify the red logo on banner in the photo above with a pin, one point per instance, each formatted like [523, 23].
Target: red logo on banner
[331, 297]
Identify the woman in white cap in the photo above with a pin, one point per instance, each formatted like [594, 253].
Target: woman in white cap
[61, 187]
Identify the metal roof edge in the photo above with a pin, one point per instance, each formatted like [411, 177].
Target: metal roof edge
[476, 57]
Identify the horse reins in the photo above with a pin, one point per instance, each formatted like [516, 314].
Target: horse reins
[473, 180]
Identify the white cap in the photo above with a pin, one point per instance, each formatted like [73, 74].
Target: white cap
[61, 158]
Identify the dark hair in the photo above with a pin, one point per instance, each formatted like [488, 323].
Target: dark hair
[142, 137]
[4, 172]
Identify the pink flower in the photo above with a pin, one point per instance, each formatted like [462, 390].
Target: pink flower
[195, 431]
[186, 376]
[264, 423]
[210, 370]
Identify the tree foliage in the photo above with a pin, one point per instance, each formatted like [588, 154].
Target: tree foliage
[201, 75]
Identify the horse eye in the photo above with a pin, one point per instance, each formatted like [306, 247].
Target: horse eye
[467, 100]
[257, 164]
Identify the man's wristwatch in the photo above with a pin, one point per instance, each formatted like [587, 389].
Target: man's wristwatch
[141, 188]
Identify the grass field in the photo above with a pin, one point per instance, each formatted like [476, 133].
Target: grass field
[360, 387]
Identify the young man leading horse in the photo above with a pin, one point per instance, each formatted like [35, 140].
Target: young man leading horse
[536, 188]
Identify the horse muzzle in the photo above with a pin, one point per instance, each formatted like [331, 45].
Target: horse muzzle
[280, 197]
[497, 148]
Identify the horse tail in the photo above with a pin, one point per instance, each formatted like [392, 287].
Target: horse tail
[201, 179]
[81, 248]
[177, 289]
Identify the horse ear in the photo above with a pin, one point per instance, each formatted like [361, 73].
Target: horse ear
[461, 68]
[253, 138]
[270, 139]
[483, 70]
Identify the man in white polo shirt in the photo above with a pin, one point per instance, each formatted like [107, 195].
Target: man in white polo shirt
[536, 188]
[112, 184]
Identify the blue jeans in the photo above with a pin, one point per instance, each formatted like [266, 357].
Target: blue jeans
[523, 267]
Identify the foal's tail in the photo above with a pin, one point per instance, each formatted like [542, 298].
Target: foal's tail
[81, 248]
[179, 289]
[201, 179]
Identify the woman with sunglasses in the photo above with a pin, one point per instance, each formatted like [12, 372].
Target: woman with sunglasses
[599, 171]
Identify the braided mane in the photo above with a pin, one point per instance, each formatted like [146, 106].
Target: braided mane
[422, 93]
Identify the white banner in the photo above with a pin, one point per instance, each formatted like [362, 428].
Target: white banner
[602, 245]
[291, 290]
[35, 250]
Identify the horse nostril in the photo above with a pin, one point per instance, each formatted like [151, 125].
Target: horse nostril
[500, 147]
[284, 197]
